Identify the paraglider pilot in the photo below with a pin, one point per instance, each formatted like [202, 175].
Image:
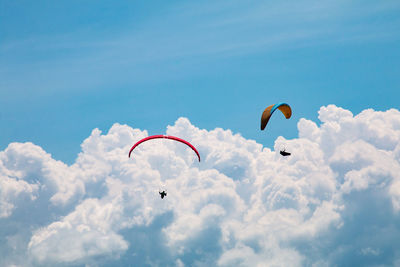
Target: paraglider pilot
[162, 194]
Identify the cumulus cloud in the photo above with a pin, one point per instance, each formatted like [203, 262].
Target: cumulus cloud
[334, 201]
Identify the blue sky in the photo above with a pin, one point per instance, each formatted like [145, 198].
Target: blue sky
[67, 67]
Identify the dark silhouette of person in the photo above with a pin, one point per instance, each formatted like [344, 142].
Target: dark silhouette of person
[162, 194]
[284, 153]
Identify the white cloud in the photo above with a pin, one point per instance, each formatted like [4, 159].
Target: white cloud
[335, 200]
[86, 232]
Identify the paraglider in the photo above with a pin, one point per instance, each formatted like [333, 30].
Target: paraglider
[162, 194]
[284, 153]
[166, 137]
[283, 107]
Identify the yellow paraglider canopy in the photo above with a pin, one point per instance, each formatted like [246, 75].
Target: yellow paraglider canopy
[283, 107]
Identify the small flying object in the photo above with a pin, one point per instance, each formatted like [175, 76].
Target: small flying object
[162, 194]
[284, 153]
[165, 137]
[174, 138]
[266, 115]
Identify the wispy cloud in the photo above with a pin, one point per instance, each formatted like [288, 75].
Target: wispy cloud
[188, 34]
